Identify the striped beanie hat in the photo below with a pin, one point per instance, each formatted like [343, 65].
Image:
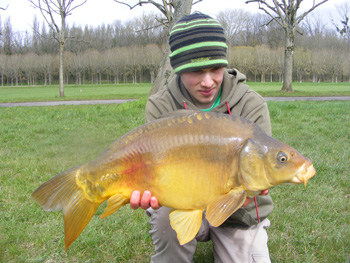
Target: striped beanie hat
[197, 41]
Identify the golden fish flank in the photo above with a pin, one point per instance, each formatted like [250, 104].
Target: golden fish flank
[192, 162]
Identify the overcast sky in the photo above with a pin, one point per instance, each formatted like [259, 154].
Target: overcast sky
[96, 12]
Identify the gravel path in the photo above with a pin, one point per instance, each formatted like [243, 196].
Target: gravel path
[307, 98]
[58, 103]
[92, 102]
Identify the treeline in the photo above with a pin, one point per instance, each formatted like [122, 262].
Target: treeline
[132, 51]
[119, 64]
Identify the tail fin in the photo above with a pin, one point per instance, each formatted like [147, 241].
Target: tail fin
[62, 192]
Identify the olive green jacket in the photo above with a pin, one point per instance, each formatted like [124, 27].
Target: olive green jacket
[242, 101]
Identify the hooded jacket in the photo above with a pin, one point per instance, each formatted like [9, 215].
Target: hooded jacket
[243, 102]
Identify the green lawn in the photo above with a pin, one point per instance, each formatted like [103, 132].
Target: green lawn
[73, 92]
[302, 89]
[308, 225]
[124, 91]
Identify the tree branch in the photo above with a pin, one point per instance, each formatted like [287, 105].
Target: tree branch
[278, 18]
[301, 17]
[69, 11]
[158, 6]
[166, 8]
[44, 12]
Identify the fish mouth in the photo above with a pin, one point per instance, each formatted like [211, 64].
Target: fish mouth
[305, 172]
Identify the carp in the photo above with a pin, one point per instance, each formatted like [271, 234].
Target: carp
[191, 161]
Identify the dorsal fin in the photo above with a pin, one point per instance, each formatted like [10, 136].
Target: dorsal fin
[178, 113]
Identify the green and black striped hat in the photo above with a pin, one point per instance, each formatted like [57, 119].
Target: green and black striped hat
[197, 42]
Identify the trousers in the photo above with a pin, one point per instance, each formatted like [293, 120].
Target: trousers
[230, 244]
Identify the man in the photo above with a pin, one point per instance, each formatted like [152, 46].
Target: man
[198, 57]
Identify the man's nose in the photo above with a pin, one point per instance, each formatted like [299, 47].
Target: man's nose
[207, 80]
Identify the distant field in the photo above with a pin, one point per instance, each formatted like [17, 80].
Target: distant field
[123, 91]
[308, 225]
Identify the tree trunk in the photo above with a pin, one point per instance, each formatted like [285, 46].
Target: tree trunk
[288, 60]
[61, 81]
[152, 75]
[165, 73]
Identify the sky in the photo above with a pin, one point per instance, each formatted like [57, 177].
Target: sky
[96, 12]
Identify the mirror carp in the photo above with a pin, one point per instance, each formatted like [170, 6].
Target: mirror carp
[191, 161]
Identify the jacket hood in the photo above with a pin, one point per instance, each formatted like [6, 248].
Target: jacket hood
[233, 89]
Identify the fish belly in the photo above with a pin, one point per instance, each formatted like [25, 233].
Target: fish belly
[189, 184]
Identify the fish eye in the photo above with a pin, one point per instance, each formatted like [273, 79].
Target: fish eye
[282, 157]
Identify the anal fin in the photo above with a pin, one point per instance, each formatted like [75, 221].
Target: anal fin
[186, 223]
[114, 203]
[224, 206]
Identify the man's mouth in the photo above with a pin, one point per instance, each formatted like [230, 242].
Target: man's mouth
[207, 92]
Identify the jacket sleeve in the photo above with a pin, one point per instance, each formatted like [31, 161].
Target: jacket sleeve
[152, 112]
[159, 104]
[255, 109]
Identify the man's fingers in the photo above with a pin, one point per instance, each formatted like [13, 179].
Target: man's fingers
[135, 200]
[264, 192]
[154, 203]
[247, 201]
[145, 200]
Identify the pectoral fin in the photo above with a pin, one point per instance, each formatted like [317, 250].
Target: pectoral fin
[224, 206]
[186, 223]
[114, 203]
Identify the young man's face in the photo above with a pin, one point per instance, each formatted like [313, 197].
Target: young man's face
[203, 85]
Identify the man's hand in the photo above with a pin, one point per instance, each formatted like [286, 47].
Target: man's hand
[249, 199]
[145, 202]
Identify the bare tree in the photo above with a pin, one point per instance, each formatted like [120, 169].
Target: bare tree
[55, 14]
[241, 57]
[7, 38]
[172, 11]
[284, 12]
[14, 68]
[263, 56]
[29, 65]
[315, 25]
[319, 65]
[302, 62]
[152, 58]
[2, 8]
[45, 67]
[344, 28]
[3, 65]
[233, 21]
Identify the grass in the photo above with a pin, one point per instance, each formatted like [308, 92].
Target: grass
[73, 92]
[307, 225]
[127, 91]
[273, 89]
[312, 224]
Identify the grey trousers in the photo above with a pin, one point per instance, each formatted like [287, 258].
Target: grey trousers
[239, 244]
